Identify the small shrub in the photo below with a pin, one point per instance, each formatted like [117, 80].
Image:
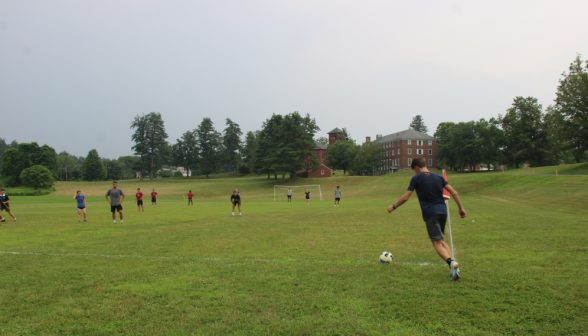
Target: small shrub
[38, 177]
[178, 173]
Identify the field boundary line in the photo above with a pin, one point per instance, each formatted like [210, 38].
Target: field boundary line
[310, 261]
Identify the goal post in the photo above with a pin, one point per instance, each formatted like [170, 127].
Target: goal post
[280, 191]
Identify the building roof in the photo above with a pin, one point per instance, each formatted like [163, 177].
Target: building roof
[319, 145]
[336, 130]
[406, 135]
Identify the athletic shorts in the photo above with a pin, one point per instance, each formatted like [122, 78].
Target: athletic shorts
[236, 202]
[140, 202]
[436, 227]
[115, 208]
[337, 199]
[289, 196]
[4, 207]
[153, 200]
[81, 208]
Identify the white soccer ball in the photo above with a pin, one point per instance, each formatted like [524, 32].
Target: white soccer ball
[386, 257]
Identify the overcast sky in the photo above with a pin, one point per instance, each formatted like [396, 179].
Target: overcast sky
[73, 74]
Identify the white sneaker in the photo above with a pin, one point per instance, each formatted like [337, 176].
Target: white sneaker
[454, 271]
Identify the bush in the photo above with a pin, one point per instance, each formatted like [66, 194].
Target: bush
[38, 177]
[163, 173]
[178, 173]
[244, 170]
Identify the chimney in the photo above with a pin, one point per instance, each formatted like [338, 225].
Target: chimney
[367, 140]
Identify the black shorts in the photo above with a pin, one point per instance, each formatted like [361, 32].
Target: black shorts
[337, 199]
[140, 202]
[115, 208]
[153, 200]
[236, 202]
[81, 208]
[4, 207]
[436, 227]
[289, 196]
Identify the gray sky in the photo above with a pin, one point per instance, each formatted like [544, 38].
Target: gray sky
[73, 74]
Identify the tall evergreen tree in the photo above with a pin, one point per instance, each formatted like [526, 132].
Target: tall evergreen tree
[418, 124]
[571, 107]
[296, 140]
[150, 139]
[209, 144]
[232, 143]
[269, 147]
[93, 167]
[13, 163]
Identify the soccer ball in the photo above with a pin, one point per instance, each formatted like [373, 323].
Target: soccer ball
[386, 257]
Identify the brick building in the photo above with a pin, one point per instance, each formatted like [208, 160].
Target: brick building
[401, 147]
[320, 151]
[335, 135]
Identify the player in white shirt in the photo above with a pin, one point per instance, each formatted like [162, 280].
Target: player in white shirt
[337, 196]
[289, 194]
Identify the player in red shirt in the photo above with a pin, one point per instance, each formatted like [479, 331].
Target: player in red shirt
[153, 198]
[139, 196]
[190, 195]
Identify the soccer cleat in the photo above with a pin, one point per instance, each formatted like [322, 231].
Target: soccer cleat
[239, 215]
[85, 220]
[15, 220]
[454, 271]
[3, 220]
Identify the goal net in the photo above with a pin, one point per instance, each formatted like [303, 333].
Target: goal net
[281, 192]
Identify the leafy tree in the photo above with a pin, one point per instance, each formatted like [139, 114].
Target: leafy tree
[149, 140]
[267, 153]
[346, 135]
[67, 165]
[40, 155]
[446, 152]
[13, 163]
[178, 173]
[297, 134]
[323, 140]
[249, 151]
[368, 158]
[341, 155]
[418, 124]
[93, 167]
[185, 151]
[209, 144]
[232, 143]
[130, 165]
[37, 177]
[525, 132]
[569, 116]
[492, 140]
[244, 170]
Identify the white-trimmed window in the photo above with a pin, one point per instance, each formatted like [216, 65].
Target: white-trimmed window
[419, 152]
[392, 153]
[430, 152]
[398, 151]
[430, 142]
[419, 142]
[322, 172]
[393, 143]
[409, 162]
[430, 162]
[409, 142]
[410, 150]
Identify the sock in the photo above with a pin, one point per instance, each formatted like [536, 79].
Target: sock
[114, 221]
[121, 221]
[239, 214]
[233, 214]
[449, 261]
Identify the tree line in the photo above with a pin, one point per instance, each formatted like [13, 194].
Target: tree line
[526, 133]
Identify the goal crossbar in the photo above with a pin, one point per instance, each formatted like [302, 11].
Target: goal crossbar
[277, 187]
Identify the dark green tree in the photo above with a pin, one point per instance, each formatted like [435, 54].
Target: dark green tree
[209, 145]
[13, 163]
[570, 113]
[269, 147]
[250, 148]
[418, 124]
[93, 168]
[66, 165]
[37, 177]
[296, 140]
[525, 132]
[368, 158]
[150, 140]
[232, 144]
[185, 151]
[341, 155]
[446, 153]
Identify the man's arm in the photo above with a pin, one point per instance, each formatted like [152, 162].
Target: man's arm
[455, 195]
[74, 197]
[107, 200]
[401, 201]
[122, 199]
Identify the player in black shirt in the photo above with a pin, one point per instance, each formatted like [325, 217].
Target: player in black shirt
[307, 193]
[4, 206]
[236, 200]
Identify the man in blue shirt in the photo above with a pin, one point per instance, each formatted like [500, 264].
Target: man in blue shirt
[429, 188]
[81, 204]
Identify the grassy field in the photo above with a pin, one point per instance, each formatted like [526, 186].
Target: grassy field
[297, 269]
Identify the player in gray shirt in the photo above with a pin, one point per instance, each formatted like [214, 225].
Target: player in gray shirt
[337, 196]
[115, 201]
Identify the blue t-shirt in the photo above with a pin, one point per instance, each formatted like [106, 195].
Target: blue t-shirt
[429, 189]
[80, 201]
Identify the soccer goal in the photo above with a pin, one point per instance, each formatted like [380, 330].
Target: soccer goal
[281, 192]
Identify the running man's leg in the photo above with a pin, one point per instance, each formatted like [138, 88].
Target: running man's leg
[442, 249]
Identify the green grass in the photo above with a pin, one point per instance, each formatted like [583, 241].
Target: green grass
[296, 269]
